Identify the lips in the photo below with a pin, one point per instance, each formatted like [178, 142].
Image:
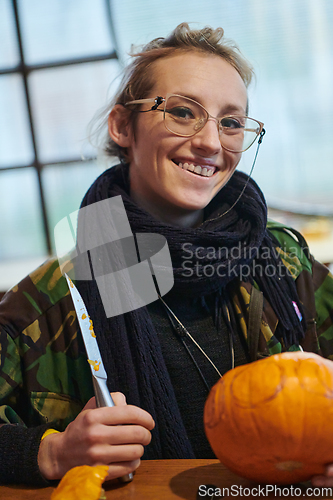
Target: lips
[202, 170]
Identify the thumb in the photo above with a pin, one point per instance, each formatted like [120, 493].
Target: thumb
[91, 404]
[118, 398]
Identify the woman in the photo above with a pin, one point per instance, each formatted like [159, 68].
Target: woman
[179, 126]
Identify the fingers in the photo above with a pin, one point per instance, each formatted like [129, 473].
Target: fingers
[118, 398]
[325, 480]
[127, 434]
[122, 469]
[119, 415]
[114, 436]
[109, 454]
[329, 470]
[319, 481]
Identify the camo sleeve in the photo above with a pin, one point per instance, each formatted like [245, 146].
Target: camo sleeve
[22, 330]
[45, 379]
[44, 374]
[19, 444]
[314, 283]
[10, 378]
[323, 290]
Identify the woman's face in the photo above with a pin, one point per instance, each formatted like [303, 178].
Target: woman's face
[158, 183]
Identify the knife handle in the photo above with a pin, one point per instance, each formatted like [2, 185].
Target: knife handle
[104, 398]
[102, 394]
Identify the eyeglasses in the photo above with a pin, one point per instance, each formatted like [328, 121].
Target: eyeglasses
[185, 117]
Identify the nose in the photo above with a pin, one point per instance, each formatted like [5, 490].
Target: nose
[208, 138]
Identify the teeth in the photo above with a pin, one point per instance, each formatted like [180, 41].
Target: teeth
[189, 167]
[197, 169]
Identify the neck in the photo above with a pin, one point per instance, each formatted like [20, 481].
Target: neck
[175, 216]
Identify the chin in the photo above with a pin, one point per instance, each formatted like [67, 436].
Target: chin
[193, 207]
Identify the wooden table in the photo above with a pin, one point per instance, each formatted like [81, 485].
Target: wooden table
[169, 479]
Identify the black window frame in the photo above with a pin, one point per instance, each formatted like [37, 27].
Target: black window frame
[23, 69]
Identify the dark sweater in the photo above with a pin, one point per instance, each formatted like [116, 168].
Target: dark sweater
[189, 387]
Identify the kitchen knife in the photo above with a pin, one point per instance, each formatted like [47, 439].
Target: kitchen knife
[102, 394]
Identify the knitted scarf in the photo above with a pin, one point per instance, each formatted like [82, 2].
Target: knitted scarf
[129, 345]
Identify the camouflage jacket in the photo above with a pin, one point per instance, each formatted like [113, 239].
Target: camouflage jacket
[44, 374]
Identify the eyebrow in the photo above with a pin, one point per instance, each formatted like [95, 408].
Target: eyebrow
[228, 109]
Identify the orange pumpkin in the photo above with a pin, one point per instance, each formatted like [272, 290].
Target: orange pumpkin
[271, 421]
[81, 483]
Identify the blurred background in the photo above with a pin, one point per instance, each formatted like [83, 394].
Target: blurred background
[60, 62]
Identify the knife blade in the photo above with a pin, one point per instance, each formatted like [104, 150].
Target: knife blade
[99, 377]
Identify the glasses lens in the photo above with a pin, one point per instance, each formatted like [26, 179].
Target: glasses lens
[186, 117]
[238, 133]
[183, 116]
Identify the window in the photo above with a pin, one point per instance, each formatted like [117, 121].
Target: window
[58, 62]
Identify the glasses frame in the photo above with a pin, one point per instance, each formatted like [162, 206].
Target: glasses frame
[158, 100]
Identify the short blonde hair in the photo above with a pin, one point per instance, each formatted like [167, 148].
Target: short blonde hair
[138, 77]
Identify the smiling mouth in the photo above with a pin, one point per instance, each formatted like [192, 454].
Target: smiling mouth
[206, 171]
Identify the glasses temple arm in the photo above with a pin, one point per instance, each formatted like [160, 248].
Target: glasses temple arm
[261, 136]
[157, 100]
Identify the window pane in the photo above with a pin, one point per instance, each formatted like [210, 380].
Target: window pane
[64, 186]
[290, 44]
[295, 101]
[58, 29]
[20, 220]
[15, 137]
[9, 54]
[64, 101]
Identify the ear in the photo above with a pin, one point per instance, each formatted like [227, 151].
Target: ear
[120, 129]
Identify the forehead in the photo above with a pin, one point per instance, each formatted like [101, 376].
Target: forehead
[210, 79]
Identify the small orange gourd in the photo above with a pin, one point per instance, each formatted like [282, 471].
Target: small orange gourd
[271, 421]
[81, 483]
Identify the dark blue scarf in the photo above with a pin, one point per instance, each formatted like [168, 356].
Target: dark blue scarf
[129, 344]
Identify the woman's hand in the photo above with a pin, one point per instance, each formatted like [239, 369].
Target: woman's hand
[326, 480]
[113, 436]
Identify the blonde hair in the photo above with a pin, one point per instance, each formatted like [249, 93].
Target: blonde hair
[138, 77]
